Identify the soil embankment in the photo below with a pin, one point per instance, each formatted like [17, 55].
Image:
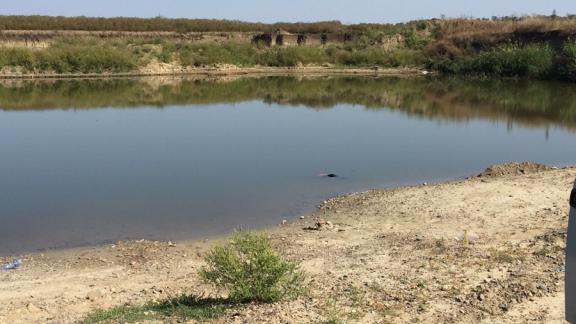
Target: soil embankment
[167, 69]
[484, 249]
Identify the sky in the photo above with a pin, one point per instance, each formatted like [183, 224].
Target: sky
[347, 11]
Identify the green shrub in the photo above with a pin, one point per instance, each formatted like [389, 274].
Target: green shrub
[280, 57]
[568, 69]
[242, 54]
[22, 57]
[414, 40]
[404, 57]
[69, 57]
[250, 270]
[532, 60]
[86, 59]
[206, 54]
[166, 54]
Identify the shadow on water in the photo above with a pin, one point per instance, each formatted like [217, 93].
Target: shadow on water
[529, 103]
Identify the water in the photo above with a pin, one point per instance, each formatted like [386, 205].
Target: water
[86, 162]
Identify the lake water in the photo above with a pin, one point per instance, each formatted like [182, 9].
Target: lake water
[93, 161]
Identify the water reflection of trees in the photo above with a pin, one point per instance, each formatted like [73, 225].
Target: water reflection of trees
[530, 103]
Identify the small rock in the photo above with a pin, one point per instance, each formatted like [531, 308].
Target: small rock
[468, 237]
[33, 308]
[95, 294]
[321, 222]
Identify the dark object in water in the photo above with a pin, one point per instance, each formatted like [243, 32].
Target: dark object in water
[328, 175]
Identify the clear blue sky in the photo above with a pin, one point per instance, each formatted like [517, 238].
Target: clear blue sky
[347, 11]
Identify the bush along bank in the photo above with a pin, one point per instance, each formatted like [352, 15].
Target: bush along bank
[69, 58]
[121, 56]
[536, 60]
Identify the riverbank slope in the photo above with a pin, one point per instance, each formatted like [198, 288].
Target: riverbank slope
[537, 47]
[220, 70]
[484, 249]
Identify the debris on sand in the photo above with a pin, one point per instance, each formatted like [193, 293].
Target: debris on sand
[17, 263]
[320, 224]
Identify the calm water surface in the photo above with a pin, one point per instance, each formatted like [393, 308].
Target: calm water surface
[86, 162]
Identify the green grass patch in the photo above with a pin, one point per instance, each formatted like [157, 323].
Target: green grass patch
[243, 54]
[183, 308]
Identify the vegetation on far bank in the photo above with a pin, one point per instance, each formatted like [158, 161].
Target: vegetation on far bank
[99, 56]
[528, 47]
[539, 61]
[69, 57]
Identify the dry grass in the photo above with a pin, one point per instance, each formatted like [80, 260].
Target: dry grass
[466, 27]
[483, 33]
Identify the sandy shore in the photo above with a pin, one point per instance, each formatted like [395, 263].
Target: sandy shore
[160, 69]
[486, 249]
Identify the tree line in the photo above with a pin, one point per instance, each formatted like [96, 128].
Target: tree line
[159, 24]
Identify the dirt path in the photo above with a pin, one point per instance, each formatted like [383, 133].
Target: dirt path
[165, 69]
[486, 249]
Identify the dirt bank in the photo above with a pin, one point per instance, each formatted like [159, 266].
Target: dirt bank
[166, 69]
[485, 249]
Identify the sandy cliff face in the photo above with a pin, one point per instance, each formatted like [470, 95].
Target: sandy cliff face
[42, 38]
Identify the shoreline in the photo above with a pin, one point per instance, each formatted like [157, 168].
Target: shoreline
[490, 228]
[208, 72]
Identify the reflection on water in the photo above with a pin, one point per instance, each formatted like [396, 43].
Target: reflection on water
[536, 103]
[200, 157]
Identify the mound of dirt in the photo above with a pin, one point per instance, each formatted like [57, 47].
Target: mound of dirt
[499, 170]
